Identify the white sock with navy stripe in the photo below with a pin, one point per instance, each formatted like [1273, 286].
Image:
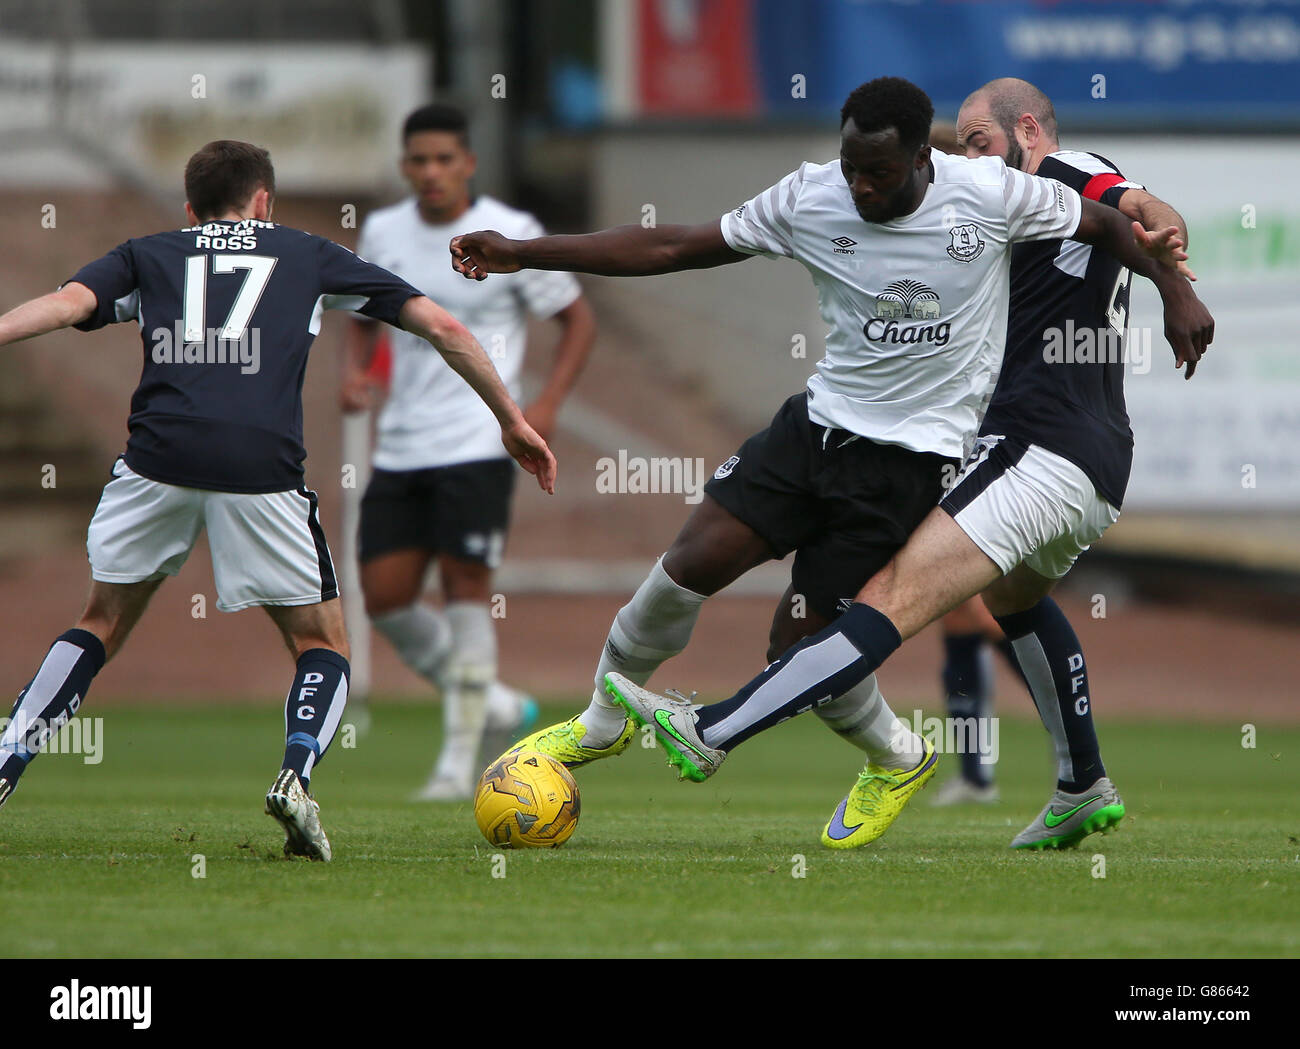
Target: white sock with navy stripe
[313, 709]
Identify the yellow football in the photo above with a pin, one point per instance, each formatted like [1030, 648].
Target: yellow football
[526, 800]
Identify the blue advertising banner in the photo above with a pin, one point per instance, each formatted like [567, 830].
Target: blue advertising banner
[1179, 64]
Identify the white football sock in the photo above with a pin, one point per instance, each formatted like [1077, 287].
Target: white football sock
[654, 626]
[862, 717]
[470, 672]
[422, 637]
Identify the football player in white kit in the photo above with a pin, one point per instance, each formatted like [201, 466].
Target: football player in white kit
[910, 251]
[442, 483]
[1045, 479]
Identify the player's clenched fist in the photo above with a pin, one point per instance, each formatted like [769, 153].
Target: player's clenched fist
[475, 255]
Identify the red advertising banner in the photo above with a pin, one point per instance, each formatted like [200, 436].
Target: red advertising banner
[696, 58]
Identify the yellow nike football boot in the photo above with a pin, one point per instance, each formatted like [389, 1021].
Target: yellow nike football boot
[875, 802]
[563, 742]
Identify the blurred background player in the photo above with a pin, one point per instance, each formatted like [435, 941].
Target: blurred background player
[442, 482]
[227, 310]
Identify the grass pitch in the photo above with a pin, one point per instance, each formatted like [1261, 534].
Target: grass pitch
[99, 860]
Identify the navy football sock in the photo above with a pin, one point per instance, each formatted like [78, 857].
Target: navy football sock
[967, 687]
[1051, 657]
[313, 709]
[50, 699]
[815, 670]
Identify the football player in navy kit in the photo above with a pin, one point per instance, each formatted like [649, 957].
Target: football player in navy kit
[228, 309]
[1044, 481]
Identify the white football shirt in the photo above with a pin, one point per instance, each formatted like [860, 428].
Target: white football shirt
[432, 417]
[917, 306]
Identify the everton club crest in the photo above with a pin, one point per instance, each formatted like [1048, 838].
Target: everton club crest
[966, 245]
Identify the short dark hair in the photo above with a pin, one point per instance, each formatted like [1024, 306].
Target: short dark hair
[225, 174]
[891, 101]
[437, 117]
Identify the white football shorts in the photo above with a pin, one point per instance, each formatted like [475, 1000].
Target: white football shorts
[267, 549]
[1022, 503]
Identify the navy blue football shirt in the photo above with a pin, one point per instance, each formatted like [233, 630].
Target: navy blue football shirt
[227, 313]
[1067, 295]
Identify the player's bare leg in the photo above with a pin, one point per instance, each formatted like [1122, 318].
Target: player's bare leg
[113, 609]
[304, 627]
[317, 641]
[936, 570]
[59, 687]
[713, 550]
[1017, 591]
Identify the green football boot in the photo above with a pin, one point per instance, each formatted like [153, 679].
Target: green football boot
[1069, 818]
[673, 717]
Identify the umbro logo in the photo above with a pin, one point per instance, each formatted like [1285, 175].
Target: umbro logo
[844, 245]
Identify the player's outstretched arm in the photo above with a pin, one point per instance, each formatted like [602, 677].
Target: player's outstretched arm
[71, 304]
[624, 251]
[1189, 327]
[425, 318]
